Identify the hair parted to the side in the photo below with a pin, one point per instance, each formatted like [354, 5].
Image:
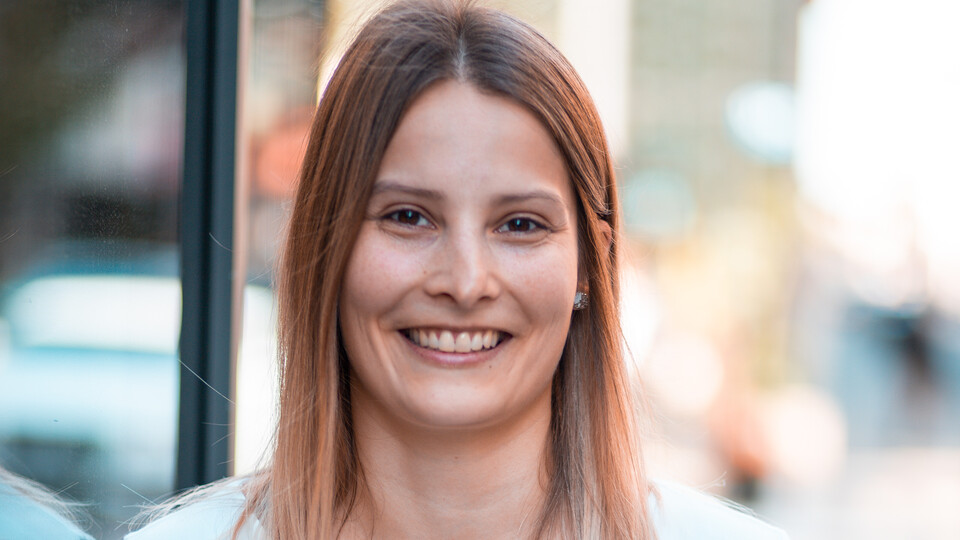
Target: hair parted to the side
[597, 488]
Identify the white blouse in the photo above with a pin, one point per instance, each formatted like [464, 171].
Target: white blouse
[678, 513]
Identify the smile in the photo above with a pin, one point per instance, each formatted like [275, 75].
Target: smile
[450, 341]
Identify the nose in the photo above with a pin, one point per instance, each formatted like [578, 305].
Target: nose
[463, 268]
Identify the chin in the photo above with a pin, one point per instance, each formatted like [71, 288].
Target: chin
[456, 410]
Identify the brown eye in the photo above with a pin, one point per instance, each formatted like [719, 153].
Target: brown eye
[408, 217]
[520, 225]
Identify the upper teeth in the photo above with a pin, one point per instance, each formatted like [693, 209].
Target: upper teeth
[461, 342]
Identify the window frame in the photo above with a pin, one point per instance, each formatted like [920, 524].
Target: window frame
[211, 279]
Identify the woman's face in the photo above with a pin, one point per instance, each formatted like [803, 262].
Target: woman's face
[458, 294]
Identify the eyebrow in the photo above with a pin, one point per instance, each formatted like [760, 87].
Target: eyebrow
[530, 195]
[384, 187]
[388, 186]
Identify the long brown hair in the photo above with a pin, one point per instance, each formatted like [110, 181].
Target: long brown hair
[597, 487]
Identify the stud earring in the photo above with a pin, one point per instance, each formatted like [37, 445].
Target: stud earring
[580, 300]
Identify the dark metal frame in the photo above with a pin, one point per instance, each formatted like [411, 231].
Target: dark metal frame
[206, 236]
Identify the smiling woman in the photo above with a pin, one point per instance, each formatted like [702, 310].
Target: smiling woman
[470, 234]
[442, 375]
[458, 246]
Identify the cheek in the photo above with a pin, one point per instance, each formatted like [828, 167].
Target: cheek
[377, 275]
[546, 282]
[373, 285]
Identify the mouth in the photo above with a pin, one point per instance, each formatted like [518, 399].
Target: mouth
[455, 341]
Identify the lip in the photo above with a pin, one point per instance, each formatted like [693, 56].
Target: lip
[455, 329]
[454, 359]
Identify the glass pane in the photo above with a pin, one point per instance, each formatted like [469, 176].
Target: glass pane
[279, 96]
[90, 151]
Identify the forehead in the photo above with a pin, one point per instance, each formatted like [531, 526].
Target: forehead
[454, 135]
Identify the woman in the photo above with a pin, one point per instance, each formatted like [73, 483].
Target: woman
[452, 362]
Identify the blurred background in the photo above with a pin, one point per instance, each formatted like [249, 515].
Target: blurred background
[789, 172]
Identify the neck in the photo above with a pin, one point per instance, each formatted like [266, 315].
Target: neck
[449, 483]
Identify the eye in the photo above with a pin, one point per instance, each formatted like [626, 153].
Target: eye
[408, 217]
[520, 225]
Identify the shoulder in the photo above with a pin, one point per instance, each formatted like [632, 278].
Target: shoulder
[25, 519]
[682, 513]
[210, 516]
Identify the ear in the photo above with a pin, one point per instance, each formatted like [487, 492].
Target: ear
[607, 239]
[607, 233]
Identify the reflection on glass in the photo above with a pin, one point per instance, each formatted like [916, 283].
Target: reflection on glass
[90, 146]
[28, 512]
